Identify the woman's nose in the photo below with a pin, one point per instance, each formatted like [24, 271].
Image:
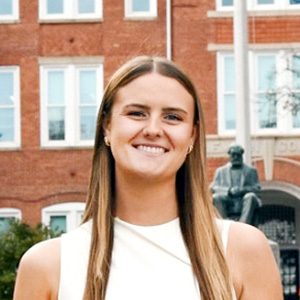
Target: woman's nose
[153, 127]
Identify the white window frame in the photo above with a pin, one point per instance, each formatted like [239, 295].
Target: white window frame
[70, 12]
[72, 126]
[253, 5]
[284, 117]
[9, 212]
[15, 16]
[72, 210]
[220, 93]
[130, 14]
[16, 143]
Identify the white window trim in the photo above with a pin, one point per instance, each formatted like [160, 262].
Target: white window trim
[130, 14]
[15, 16]
[72, 129]
[17, 121]
[70, 8]
[72, 211]
[284, 119]
[9, 212]
[220, 88]
[252, 5]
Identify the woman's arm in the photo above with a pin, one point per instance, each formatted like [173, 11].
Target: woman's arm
[252, 264]
[38, 272]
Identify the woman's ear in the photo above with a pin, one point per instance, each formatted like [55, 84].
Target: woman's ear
[195, 133]
[106, 126]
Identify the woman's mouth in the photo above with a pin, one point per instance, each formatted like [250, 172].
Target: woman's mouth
[151, 149]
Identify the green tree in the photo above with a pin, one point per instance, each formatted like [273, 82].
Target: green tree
[13, 244]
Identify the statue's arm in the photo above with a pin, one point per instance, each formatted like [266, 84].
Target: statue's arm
[216, 186]
[252, 184]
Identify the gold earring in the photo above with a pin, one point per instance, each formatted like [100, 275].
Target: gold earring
[191, 147]
[106, 141]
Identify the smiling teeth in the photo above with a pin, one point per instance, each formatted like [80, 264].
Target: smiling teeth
[151, 149]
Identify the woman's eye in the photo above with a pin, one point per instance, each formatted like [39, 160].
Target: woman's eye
[173, 118]
[136, 113]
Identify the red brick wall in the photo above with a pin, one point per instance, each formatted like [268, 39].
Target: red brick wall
[32, 178]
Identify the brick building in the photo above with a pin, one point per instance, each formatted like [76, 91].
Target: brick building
[56, 56]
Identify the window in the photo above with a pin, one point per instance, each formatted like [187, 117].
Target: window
[9, 107]
[70, 9]
[6, 215]
[63, 217]
[140, 8]
[226, 82]
[274, 93]
[260, 4]
[9, 10]
[70, 97]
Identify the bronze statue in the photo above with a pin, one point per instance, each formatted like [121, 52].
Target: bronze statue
[235, 188]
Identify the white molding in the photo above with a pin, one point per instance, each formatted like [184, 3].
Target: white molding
[281, 186]
[10, 212]
[71, 210]
[71, 60]
[259, 13]
[266, 46]
[217, 146]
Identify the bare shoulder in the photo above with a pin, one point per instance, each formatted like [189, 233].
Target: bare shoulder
[246, 238]
[252, 264]
[38, 272]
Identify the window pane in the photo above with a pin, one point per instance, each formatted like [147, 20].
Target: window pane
[56, 87]
[88, 86]
[6, 88]
[265, 1]
[296, 71]
[55, 7]
[229, 84]
[7, 125]
[140, 5]
[86, 6]
[4, 224]
[58, 223]
[266, 73]
[267, 111]
[6, 7]
[230, 111]
[294, 1]
[227, 2]
[296, 111]
[87, 123]
[56, 123]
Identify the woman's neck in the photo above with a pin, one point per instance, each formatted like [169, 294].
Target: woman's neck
[145, 202]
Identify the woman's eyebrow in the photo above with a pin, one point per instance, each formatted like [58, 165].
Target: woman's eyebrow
[146, 107]
[136, 105]
[175, 109]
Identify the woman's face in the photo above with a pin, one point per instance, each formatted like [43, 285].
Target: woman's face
[151, 127]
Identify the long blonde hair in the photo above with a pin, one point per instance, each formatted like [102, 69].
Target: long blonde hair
[196, 212]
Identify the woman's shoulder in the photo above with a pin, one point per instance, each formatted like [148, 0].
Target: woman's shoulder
[39, 268]
[247, 237]
[252, 263]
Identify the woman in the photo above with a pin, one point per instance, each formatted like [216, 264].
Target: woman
[150, 229]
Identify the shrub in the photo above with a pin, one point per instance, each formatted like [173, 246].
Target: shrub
[13, 244]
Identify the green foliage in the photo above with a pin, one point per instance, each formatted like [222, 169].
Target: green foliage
[13, 244]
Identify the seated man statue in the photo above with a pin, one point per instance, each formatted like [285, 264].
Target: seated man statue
[235, 188]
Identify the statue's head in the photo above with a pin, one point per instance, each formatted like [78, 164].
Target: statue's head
[236, 152]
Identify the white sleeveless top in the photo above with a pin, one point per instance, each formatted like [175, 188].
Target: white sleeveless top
[148, 262]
